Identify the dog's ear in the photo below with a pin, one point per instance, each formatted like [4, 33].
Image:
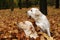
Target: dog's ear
[37, 13]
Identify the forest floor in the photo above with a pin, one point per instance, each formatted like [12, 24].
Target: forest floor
[10, 31]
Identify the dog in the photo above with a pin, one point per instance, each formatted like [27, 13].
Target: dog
[28, 28]
[40, 19]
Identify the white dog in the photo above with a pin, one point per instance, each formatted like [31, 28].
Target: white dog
[40, 19]
[28, 28]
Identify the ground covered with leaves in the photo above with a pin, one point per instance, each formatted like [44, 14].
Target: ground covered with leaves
[10, 31]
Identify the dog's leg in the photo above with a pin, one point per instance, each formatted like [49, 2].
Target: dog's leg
[48, 32]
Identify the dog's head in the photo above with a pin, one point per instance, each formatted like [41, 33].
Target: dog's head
[33, 12]
[25, 25]
[22, 25]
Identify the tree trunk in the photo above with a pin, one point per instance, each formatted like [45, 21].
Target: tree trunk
[57, 3]
[43, 6]
[27, 3]
[12, 5]
[20, 4]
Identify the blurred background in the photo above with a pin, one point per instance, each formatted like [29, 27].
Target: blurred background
[5, 4]
[42, 4]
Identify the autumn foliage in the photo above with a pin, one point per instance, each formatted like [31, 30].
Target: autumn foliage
[10, 31]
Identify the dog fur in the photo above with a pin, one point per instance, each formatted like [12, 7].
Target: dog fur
[28, 28]
[40, 19]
